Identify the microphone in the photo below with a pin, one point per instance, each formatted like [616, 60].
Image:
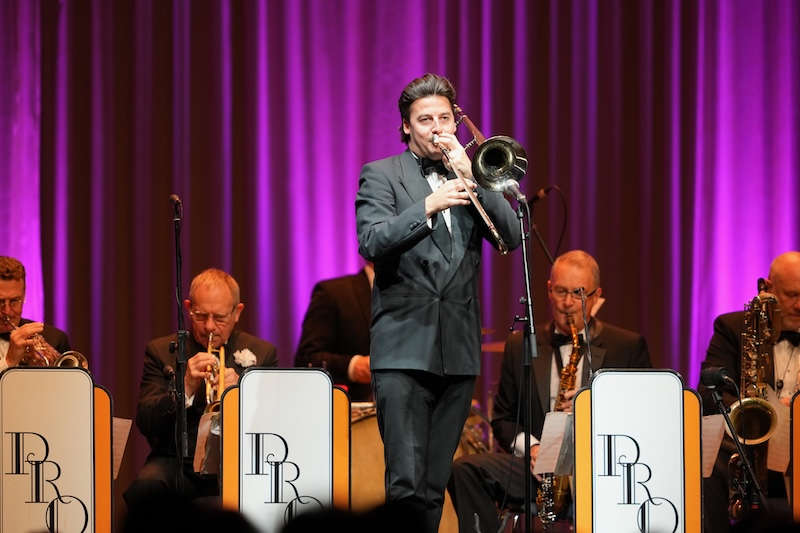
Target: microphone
[177, 205]
[541, 194]
[716, 376]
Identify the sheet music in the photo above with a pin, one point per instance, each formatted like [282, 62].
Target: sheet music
[120, 429]
[555, 425]
[713, 431]
[779, 444]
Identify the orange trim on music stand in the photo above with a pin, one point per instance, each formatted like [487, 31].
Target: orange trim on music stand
[795, 456]
[229, 456]
[583, 461]
[692, 469]
[102, 460]
[341, 449]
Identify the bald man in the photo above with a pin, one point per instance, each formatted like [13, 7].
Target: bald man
[725, 349]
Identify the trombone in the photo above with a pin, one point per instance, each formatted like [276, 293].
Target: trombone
[498, 165]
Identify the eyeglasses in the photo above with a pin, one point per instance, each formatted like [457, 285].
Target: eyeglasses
[13, 303]
[562, 292]
[202, 318]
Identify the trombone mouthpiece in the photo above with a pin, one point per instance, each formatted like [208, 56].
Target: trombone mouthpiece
[435, 138]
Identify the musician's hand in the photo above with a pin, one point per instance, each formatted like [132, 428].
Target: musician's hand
[451, 193]
[20, 341]
[458, 156]
[358, 369]
[566, 405]
[534, 455]
[197, 370]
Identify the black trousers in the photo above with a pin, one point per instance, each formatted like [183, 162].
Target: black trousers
[156, 480]
[480, 484]
[420, 418]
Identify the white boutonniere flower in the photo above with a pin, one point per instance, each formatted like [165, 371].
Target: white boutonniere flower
[244, 358]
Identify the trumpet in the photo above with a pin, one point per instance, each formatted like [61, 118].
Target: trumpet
[42, 354]
[498, 165]
[215, 384]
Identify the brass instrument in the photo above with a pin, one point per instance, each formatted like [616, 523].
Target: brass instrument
[753, 417]
[215, 384]
[498, 165]
[554, 491]
[41, 354]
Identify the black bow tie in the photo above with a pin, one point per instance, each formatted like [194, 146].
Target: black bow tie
[431, 165]
[791, 336]
[560, 340]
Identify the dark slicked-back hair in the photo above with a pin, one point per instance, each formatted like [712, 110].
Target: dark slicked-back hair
[427, 85]
[11, 269]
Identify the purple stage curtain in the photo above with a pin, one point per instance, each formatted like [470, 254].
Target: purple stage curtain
[671, 126]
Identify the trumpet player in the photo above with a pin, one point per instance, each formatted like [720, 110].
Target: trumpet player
[16, 332]
[479, 483]
[724, 350]
[415, 224]
[214, 308]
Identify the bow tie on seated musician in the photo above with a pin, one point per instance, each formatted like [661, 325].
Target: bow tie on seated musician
[479, 483]
[778, 360]
[335, 333]
[213, 310]
[21, 339]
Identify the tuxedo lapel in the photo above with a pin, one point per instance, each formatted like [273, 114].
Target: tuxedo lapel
[418, 188]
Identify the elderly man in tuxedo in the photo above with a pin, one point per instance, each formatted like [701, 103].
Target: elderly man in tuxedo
[214, 308]
[725, 350]
[16, 333]
[479, 483]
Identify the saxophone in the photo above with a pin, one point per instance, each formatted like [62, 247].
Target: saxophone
[554, 492]
[753, 417]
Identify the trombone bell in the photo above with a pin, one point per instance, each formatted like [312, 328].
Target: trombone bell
[499, 164]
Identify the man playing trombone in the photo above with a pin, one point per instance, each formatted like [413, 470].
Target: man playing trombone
[17, 333]
[416, 224]
[214, 309]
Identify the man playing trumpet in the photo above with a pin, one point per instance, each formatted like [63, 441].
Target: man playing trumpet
[17, 333]
[214, 309]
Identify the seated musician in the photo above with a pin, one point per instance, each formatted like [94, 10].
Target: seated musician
[336, 331]
[16, 333]
[214, 308]
[479, 483]
[725, 350]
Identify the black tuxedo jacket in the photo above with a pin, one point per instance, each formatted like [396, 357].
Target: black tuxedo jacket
[612, 347]
[335, 328]
[425, 308]
[155, 414]
[725, 350]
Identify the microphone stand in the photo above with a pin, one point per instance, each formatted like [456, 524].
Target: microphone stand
[179, 348]
[530, 352]
[724, 409]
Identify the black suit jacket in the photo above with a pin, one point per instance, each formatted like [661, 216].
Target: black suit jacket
[155, 414]
[612, 347]
[335, 328]
[425, 308]
[724, 350]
